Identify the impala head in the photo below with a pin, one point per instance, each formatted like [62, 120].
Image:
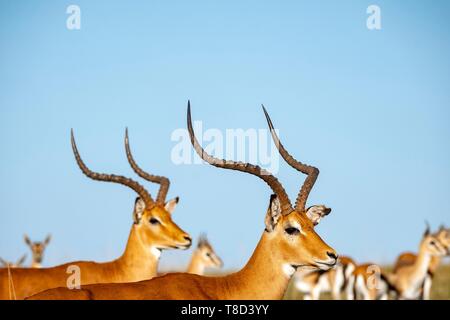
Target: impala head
[157, 228]
[290, 229]
[37, 248]
[152, 218]
[443, 236]
[295, 240]
[18, 264]
[430, 244]
[207, 255]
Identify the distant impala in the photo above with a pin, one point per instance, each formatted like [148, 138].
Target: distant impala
[18, 264]
[413, 273]
[204, 257]
[37, 250]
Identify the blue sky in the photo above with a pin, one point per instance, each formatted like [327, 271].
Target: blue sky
[369, 108]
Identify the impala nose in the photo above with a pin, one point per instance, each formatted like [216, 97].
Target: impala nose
[188, 239]
[332, 255]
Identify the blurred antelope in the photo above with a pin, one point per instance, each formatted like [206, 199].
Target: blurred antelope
[431, 251]
[18, 264]
[369, 283]
[152, 231]
[287, 243]
[335, 281]
[204, 257]
[37, 250]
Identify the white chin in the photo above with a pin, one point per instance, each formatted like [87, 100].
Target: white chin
[288, 270]
[156, 252]
[324, 267]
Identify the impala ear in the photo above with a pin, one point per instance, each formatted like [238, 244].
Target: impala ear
[316, 213]
[427, 230]
[27, 240]
[47, 239]
[171, 205]
[139, 207]
[273, 213]
[21, 260]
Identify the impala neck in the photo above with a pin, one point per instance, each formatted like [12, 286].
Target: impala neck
[264, 277]
[434, 263]
[421, 264]
[35, 264]
[196, 266]
[140, 260]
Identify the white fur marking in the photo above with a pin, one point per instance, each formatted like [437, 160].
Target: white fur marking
[156, 252]
[288, 270]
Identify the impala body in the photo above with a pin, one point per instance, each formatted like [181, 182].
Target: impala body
[369, 285]
[314, 283]
[152, 231]
[288, 242]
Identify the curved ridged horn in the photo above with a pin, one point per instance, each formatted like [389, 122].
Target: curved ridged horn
[273, 182]
[312, 172]
[162, 181]
[140, 190]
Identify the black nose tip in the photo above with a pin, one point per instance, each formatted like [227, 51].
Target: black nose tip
[188, 239]
[332, 255]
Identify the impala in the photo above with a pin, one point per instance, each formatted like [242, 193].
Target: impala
[409, 258]
[152, 231]
[37, 250]
[17, 264]
[369, 283]
[204, 257]
[409, 279]
[287, 243]
[313, 283]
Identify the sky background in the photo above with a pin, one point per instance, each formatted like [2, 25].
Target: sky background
[370, 109]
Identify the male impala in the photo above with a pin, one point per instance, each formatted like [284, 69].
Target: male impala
[409, 258]
[204, 257]
[408, 279]
[153, 230]
[18, 264]
[37, 250]
[287, 243]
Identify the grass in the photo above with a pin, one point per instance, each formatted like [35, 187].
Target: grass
[440, 289]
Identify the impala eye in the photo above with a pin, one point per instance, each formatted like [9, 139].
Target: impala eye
[292, 231]
[154, 221]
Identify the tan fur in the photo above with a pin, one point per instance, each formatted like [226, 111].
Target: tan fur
[408, 259]
[137, 262]
[312, 284]
[368, 284]
[411, 270]
[37, 249]
[204, 257]
[274, 252]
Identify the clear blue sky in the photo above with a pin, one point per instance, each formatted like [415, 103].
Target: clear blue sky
[369, 108]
